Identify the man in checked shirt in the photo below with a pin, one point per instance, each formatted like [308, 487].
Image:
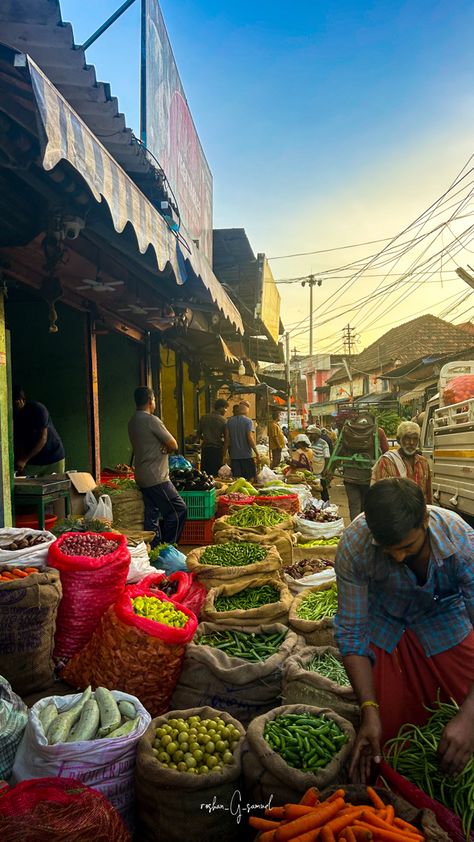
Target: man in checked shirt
[405, 577]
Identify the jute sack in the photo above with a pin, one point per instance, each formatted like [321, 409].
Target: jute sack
[322, 551]
[211, 575]
[28, 610]
[280, 537]
[301, 686]
[267, 773]
[128, 510]
[242, 688]
[178, 806]
[315, 632]
[273, 612]
[425, 820]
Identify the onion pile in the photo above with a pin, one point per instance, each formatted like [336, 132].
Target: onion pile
[90, 545]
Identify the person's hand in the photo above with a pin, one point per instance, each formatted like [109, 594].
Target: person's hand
[20, 464]
[367, 750]
[456, 745]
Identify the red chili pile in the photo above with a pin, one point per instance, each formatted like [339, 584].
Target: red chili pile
[94, 546]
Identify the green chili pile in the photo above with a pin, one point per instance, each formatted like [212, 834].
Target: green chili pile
[248, 598]
[251, 646]
[321, 542]
[255, 515]
[331, 667]
[233, 554]
[318, 605]
[306, 742]
[414, 754]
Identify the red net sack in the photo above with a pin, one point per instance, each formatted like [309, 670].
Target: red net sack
[189, 593]
[90, 583]
[134, 654]
[224, 503]
[458, 389]
[58, 810]
[284, 502]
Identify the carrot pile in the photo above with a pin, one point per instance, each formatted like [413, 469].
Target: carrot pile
[10, 575]
[334, 820]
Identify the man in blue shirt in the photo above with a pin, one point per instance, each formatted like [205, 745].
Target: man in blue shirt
[405, 578]
[240, 441]
[39, 450]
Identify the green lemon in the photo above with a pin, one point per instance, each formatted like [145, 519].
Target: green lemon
[210, 747]
[227, 757]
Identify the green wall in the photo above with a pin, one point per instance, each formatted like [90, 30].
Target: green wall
[51, 368]
[118, 363]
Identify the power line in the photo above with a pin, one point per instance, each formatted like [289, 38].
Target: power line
[325, 251]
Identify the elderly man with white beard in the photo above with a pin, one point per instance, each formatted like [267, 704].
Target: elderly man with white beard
[405, 462]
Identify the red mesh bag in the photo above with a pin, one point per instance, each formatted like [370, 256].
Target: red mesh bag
[284, 502]
[58, 810]
[224, 503]
[133, 654]
[90, 586]
[458, 389]
[190, 593]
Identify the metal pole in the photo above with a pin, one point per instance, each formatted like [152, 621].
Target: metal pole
[116, 15]
[311, 285]
[288, 376]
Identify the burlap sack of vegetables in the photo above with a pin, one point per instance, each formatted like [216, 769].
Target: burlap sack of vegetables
[320, 551]
[28, 610]
[133, 653]
[301, 686]
[266, 773]
[261, 606]
[315, 632]
[244, 568]
[280, 537]
[178, 806]
[244, 688]
[128, 509]
[425, 820]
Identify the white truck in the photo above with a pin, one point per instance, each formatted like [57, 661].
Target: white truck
[447, 440]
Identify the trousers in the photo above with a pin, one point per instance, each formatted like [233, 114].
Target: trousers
[163, 501]
[355, 497]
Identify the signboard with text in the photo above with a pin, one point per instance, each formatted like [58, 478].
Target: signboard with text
[168, 130]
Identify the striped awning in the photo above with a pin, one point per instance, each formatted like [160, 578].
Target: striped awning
[67, 137]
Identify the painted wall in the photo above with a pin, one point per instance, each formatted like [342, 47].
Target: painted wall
[168, 386]
[51, 368]
[118, 364]
[189, 392]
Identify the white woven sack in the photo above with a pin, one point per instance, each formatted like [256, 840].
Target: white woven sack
[319, 530]
[23, 558]
[139, 563]
[13, 719]
[298, 585]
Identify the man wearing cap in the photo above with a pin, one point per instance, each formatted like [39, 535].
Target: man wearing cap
[276, 439]
[406, 461]
[211, 429]
[239, 441]
[320, 452]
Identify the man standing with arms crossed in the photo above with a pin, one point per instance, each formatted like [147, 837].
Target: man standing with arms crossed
[240, 442]
[152, 443]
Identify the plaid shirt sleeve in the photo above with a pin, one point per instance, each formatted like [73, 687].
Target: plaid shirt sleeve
[351, 622]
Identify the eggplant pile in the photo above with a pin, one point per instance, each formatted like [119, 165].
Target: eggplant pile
[318, 515]
[190, 479]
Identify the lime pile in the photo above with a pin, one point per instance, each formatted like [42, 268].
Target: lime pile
[196, 745]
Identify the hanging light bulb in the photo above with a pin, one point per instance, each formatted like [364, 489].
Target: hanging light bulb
[241, 368]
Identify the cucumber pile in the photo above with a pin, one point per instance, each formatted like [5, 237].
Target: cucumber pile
[93, 717]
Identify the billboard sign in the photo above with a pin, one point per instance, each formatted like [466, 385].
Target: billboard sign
[168, 130]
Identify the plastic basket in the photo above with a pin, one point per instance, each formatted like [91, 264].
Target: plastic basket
[197, 533]
[200, 504]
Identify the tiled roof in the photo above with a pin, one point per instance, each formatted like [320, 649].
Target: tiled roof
[408, 342]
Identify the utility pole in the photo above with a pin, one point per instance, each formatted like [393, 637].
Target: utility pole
[312, 282]
[348, 338]
[288, 377]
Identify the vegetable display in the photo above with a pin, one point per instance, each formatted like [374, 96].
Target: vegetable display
[196, 746]
[249, 516]
[331, 667]
[273, 492]
[93, 717]
[308, 566]
[160, 611]
[190, 479]
[305, 742]
[251, 646]
[414, 754]
[8, 574]
[91, 545]
[75, 523]
[233, 554]
[335, 818]
[165, 585]
[253, 597]
[242, 486]
[236, 496]
[318, 605]
[321, 542]
[318, 515]
[25, 543]
[115, 485]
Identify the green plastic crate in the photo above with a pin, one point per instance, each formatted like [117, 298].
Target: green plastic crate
[201, 504]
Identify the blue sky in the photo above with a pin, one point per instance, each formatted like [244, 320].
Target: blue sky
[324, 123]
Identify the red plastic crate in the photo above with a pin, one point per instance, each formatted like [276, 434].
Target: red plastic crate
[197, 532]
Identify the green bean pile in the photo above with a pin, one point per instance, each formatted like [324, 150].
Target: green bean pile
[251, 646]
[318, 605]
[255, 515]
[414, 754]
[306, 742]
[331, 667]
[233, 554]
[248, 598]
